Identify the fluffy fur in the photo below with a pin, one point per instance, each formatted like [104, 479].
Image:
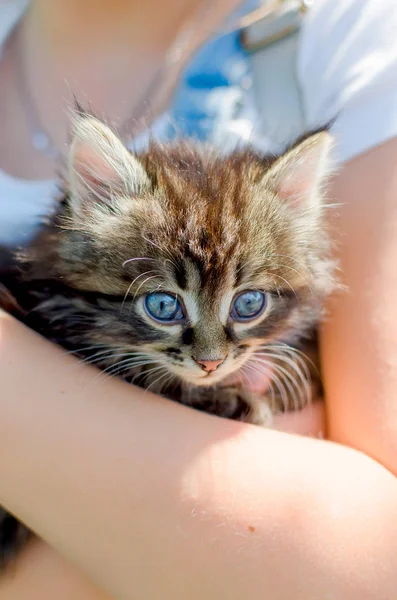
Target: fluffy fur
[204, 228]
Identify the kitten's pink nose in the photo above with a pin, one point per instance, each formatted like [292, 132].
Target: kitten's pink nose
[210, 365]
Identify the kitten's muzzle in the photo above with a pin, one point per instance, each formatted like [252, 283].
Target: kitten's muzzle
[210, 365]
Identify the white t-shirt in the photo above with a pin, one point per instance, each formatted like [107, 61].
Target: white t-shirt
[347, 67]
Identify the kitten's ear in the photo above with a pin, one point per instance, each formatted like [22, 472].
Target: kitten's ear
[298, 175]
[101, 170]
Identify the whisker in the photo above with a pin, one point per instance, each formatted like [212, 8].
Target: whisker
[298, 273]
[102, 356]
[332, 205]
[295, 360]
[127, 365]
[295, 260]
[300, 369]
[247, 262]
[143, 283]
[165, 250]
[275, 368]
[288, 379]
[86, 348]
[130, 286]
[288, 283]
[115, 352]
[241, 374]
[92, 360]
[280, 387]
[303, 357]
[154, 369]
[295, 351]
[134, 259]
[254, 369]
[143, 373]
[107, 351]
[170, 261]
[168, 381]
[125, 296]
[158, 379]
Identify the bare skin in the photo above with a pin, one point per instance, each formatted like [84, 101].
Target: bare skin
[365, 318]
[344, 542]
[122, 47]
[43, 574]
[195, 512]
[333, 509]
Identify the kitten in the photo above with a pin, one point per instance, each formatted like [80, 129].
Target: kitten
[184, 272]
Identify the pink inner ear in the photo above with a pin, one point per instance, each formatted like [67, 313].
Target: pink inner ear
[295, 186]
[91, 166]
[297, 179]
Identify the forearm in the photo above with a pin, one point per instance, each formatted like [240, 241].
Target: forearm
[360, 337]
[201, 508]
[42, 574]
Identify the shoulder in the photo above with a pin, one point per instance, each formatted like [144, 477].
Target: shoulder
[347, 68]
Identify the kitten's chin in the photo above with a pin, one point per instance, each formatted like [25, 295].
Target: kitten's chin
[257, 379]
[207, 381]
[204, 379]
[254, 376]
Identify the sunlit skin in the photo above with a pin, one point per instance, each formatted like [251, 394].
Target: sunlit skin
[324, 517]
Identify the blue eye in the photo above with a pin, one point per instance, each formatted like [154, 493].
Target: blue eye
[163, 307]
[248, 305]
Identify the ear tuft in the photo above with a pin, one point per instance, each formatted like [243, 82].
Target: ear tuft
[101, 169]
[300, 173]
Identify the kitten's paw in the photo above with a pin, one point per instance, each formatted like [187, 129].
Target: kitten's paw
[13, 536]
[233, 403]
[258, 410]
[243, 405]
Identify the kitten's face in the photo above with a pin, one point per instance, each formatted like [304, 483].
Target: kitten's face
[196, 261]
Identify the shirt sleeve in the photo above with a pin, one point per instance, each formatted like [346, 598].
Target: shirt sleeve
[347, 69]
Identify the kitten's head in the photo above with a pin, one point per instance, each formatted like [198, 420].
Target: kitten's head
[195, 260]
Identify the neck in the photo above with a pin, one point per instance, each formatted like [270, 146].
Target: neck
[105, 52]
[92, 45]
[98, 50]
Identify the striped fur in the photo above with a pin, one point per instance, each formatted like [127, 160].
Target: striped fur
[202, 226]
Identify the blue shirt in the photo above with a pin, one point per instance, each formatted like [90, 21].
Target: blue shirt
[213, 101]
